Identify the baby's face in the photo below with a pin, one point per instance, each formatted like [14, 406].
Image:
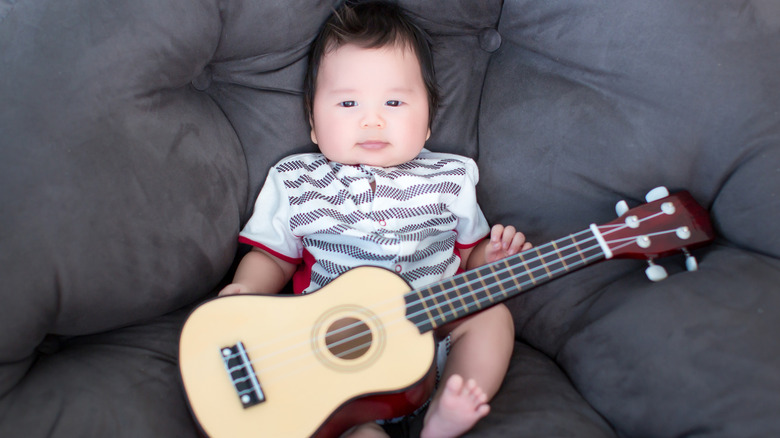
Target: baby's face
[370, 106]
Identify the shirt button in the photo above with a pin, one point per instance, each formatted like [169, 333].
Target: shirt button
[382, 223]
[398, 268]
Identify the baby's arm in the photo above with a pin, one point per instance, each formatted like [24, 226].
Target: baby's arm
[503, 242]
[261, 272]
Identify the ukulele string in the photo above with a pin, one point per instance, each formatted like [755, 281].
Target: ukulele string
[507, 268]
[605, 231]
[270, 366]
[354, 325]
[297, 365]
[394, 299]
[583, 261]
[624, 241]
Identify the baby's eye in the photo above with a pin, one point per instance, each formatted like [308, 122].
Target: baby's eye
[348, 104]
[393, 103]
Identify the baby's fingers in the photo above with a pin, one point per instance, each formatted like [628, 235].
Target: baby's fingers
[497, 237]
[508, 240]
[503, 238]
[517, 244]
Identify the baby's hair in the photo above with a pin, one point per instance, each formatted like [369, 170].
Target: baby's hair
[372, 24]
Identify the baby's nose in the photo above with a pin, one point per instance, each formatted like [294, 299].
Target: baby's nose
[372, 119]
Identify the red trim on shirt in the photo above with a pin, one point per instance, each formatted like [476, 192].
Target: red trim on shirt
[459, 245]
[294, 261]
[302, 276]
[460, 270]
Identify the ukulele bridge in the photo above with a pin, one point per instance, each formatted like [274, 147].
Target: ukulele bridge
[242, 375]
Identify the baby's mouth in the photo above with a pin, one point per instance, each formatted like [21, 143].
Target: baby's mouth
[373, 144]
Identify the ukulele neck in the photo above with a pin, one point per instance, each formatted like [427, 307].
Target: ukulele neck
[464, 294]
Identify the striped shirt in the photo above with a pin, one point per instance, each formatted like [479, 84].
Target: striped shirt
[326, 217]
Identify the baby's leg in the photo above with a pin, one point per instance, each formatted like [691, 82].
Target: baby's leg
[367, 430]
[479, 357]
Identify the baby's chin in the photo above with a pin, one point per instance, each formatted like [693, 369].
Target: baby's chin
[374, 158]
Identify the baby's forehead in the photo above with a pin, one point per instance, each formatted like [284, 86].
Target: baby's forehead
[349, 62]
[400, 43]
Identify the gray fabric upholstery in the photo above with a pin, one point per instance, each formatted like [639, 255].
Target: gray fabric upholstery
[134, 136]
[614, 100]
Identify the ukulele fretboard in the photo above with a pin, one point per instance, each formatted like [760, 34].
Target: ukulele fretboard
[464, 294]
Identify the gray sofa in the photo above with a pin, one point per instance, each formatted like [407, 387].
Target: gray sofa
[134, 136]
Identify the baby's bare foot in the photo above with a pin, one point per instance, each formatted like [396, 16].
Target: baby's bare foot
[459, 407]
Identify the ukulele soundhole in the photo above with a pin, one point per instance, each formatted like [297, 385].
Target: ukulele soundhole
[348, 338]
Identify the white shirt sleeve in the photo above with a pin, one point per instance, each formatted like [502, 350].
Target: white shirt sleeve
[472, 226]
[269, 227]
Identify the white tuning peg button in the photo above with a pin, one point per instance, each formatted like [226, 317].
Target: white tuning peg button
[656, 194]
[621, 208]
[655, 272]
[691, 264]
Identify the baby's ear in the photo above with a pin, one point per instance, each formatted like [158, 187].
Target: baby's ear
[313, 134]
[426, 137]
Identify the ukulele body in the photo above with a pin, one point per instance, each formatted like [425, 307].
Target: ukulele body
[306, 365]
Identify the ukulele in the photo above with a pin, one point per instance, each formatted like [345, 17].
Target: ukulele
[362, 348]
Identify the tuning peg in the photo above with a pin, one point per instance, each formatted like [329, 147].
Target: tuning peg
[621, 208]
[656, 194]
[655, 272]
[691, 264]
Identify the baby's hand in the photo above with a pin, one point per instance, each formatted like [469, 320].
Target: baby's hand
[504, 242]
[233, 289]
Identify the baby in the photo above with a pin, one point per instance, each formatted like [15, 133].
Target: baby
[375, 196]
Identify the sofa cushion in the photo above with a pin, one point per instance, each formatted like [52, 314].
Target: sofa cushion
[122, 184]
[537, 400]
[608, 100]
[121, 383]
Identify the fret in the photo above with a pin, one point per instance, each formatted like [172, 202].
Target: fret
[461, 296]
[474, 285]
[447, 300]
[579, 250]
[417, 309]
[424, 303]
[560, 256]
[511, 274]
[504, 277]
[439, 305]
[498, 276]
[527, 268]
[529, 274]
[485, 285]
[466, 292]
[450, 300]
[587, 255]
[556, 261]
[543, 263]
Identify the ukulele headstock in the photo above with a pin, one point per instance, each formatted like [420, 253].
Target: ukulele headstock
[667, 224]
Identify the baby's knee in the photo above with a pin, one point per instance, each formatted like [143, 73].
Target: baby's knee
[500, 317]
[495, 322]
